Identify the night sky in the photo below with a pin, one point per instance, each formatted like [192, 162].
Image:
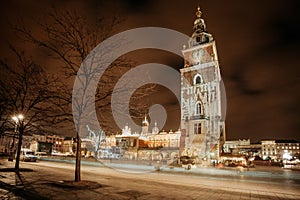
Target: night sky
[258, 49]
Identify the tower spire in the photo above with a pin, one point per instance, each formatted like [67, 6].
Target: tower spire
[198, 13]
[200, 34]
[145, 125]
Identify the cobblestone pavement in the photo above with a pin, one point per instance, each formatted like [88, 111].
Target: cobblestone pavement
[44, 180]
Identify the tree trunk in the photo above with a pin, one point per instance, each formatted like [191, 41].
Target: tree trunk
[11, 149]
[21, 131]
[17, 165]
[78, 159]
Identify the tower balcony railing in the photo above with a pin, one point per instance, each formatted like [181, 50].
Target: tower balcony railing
[195, 117]
[159, 148]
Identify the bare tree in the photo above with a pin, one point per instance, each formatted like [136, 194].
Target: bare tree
[69, 38]
[3, 117]
[5, 133]
[28, 93]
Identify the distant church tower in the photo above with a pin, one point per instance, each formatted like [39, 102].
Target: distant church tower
[145, 126]
[201, 122]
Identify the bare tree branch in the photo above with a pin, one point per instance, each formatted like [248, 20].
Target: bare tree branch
[69, 38]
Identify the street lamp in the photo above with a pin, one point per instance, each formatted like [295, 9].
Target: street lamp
[17, 118]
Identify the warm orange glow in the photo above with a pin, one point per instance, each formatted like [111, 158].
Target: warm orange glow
[20, 116]
[17, 118]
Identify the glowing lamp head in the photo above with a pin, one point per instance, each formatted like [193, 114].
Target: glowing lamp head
[20, 117]
[15, 118]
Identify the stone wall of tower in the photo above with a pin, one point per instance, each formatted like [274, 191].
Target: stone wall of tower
[207, 54]
[201, 111]
[201, 122]
[207, 74]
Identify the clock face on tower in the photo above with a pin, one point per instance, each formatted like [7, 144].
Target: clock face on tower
[197, 54]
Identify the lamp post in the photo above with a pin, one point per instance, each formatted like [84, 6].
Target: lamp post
[17, 119]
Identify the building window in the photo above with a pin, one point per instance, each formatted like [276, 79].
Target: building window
[198, 108]
[197, 128]
[197, 79]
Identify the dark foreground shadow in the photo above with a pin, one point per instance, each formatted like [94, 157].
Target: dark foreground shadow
[21, 191]
[13, 170]
[27, 192]
[81, 185]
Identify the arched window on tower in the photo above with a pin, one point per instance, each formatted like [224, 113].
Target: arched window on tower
[198, 108]
[197, 79]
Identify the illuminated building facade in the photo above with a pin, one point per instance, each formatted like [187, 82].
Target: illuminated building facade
[201, 123]
[279, 149]
[230, 146]
[148, 145]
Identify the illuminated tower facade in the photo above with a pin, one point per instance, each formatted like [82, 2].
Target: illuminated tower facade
[201, 123]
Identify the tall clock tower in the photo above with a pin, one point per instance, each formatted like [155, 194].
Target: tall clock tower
[201, 123]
